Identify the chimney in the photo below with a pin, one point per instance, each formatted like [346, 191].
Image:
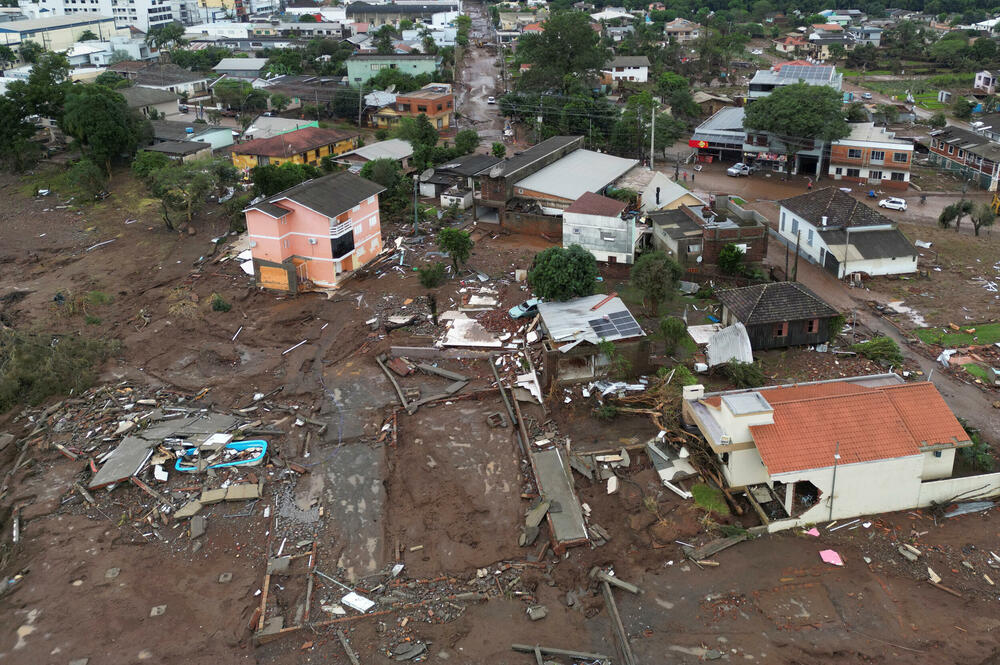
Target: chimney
[823, 220]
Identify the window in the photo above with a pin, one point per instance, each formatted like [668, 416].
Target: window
[421, 109]
[878, 155]
[812, 326]
[853, 173]
[374, 243]
[781, 329]
[854, 153]
[874, 175]
[694, 248]
[782, 221]
[838, 171]
[809, 237]
[937, 453]
[372, 223]
[795, 226]
[961, 154]
[576, 231]
[284, 243]
[898, 177]
[951, 150]
[900, 157]
[608, 237]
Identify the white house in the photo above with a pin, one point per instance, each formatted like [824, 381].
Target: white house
[832, 450]
[836, 231]
[987, 81]
[595, 223]
[630, 68]
[681, 30]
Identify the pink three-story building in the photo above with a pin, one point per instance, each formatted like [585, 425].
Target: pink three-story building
[318, 231]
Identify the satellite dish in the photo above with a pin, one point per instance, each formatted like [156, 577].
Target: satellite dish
[426, 175]
[391, 88]
[496, 171]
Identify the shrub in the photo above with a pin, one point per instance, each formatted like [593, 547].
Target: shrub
[673, 331]
[882, 350]
[977, 455]
[431, 275]
[562, 274]
[683, 376]
[219, 303]
[744, 375]
[606, 412]
[34, 367]
[731, 260]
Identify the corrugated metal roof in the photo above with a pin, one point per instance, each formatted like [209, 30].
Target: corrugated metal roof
[578, 172]
[730, 343]
[576, 320]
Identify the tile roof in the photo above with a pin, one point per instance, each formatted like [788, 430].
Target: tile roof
[864, 425]
[293, 143]
[775, 302]
[329, 195]
[161, 75]
[630, 61]
[840, 209]
[595, 204]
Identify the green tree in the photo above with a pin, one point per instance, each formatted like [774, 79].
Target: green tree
[954, 213]
[431, 276]
[384, 171]
[464, 23]
[566, 52]
[102, 123]
[270, 179]
[108, 79]
[184, 188]
[655, 275]
[119, 55]
[87, 36]
[7, 55]
[171, 34]
[30, 51]
[466, 141]
[731, 259]
[17, 151]
[457, 243]
[800, 114]
[147, 161]
[418, 131]
[744, 375]
[562, 274]
[889, 113]
[86, 178]
[938, 120]
[280, 101]
[384, 38]
[673, 330]
[44, 92]
[982, 215]
[499, 150]
[962, 108]
[670, 82]
[856, 112]
[307, 18]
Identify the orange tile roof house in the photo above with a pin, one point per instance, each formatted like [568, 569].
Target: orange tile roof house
[317, 232]
[828, 450]
[308, 145]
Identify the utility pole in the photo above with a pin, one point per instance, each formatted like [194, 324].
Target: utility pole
[833, 484]
[361, 98]
[416, 180]
[652, 137]
[798, 238]
[847, 248]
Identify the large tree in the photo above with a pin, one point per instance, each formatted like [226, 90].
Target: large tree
[184, 188]
[799, 114]
[102, 123]
[166, 35]
[655, 274]
[562, 274]
[44, 92]
[17, 151]
[567, 50]
[271, 179]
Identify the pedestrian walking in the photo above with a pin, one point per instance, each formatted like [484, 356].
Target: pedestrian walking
[685, 176]
[692, 178]
[809, 185]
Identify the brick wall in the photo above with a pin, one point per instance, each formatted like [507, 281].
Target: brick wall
[754, 237]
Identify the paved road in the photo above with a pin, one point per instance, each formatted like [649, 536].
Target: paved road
[477, 80]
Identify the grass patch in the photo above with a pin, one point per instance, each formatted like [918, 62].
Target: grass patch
[738, 201]
[979, 372]
[98, 298]
[710, 499]
[986, 333]
[34, 367]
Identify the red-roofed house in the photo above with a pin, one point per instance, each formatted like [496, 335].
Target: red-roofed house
[595, 223]
[789, 44]
[534, 27]
[839, 449]
[308, 145]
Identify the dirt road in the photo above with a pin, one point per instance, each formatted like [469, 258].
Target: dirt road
[477, 79]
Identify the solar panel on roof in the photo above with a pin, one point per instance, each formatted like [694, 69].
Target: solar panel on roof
[622, 324]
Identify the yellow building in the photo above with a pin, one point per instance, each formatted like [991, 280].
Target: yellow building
[308, 145]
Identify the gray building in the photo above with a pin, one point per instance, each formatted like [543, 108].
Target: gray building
[595, 223]
[243, 68]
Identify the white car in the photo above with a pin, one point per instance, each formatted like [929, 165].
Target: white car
[757, 51]
[738, 169]
[867, 95]
[892, 203]
[491, 100]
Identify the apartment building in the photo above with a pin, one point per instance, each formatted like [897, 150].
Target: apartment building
[973, 155]
[872, 156]
[434, 100]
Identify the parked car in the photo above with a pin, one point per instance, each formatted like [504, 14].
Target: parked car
[892, 203]
[867, 95]
[491, 100]
[525, 309]
[738, 169]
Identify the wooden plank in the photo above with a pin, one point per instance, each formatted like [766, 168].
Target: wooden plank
[714, 547]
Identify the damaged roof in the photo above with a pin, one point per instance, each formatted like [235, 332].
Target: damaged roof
[865, 425]
[775, 302]
[590, 319]
[880, 244]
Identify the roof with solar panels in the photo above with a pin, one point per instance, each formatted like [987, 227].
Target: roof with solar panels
[589, 319]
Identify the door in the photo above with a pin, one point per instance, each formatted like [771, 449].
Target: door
[302, 272]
